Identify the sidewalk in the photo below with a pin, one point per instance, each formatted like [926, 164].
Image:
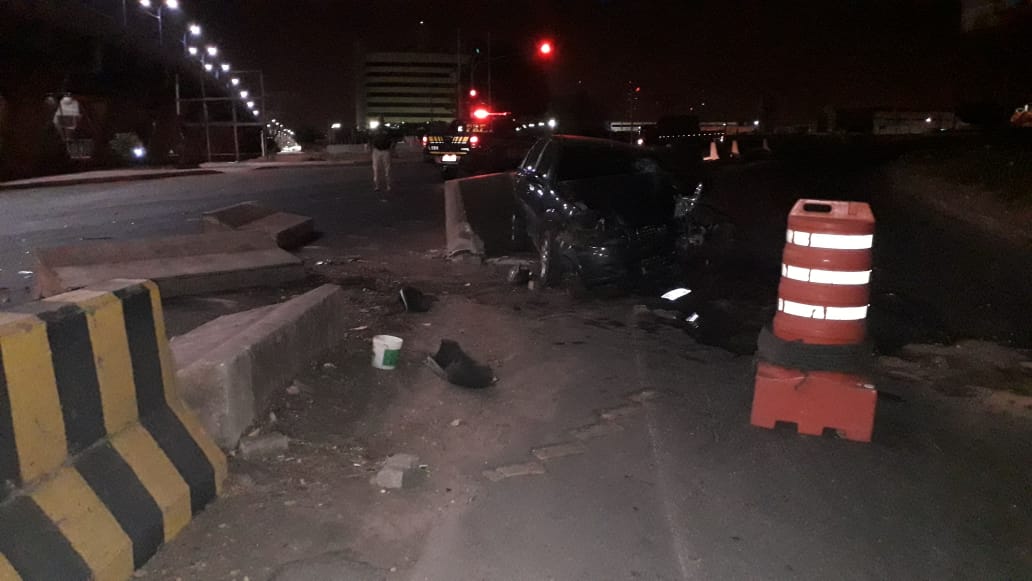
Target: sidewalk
[214, 167]
[102, 176]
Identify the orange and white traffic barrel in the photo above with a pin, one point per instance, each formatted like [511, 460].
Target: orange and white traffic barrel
[824, 293]
[813, 359]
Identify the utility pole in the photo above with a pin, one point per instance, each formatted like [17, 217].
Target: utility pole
[458, 74]
[207, 126]
[261, 126]
[490, 94]
[236, 137]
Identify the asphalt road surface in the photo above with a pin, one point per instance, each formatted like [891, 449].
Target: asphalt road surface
[341, 198]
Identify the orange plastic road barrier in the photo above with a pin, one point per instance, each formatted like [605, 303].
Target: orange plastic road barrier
[814, 401]
[823, 302]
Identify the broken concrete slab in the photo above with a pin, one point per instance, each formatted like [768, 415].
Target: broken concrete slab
[180, 265]
[271, 444]
[334, 566]
[511, 470]
[593, 431]
[399, 471]
[289, 231]
[616, 413]
[546, 453]
[229, 368]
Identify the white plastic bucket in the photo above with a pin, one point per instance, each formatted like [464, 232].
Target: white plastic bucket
[386, 351]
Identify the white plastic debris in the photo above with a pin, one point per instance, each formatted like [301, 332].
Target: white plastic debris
[677, 293]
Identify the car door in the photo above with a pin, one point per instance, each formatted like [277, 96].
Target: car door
[539, 189]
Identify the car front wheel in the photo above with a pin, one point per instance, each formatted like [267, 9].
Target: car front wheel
[550, 268]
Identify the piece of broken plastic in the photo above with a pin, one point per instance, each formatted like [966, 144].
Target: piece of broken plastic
[677, 293]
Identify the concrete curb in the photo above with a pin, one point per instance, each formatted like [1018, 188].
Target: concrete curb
[230, 167]
[180, 265]
[75, 180]
[229, 369]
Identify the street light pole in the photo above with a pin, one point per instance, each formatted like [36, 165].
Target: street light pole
[490, 94]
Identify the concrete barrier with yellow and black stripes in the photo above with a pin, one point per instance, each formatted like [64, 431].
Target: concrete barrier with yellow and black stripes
[100, 461]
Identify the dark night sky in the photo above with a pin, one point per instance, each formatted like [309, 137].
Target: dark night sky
[796, 56]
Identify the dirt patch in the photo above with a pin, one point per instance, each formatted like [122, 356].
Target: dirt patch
[998, 376]
[994, 195]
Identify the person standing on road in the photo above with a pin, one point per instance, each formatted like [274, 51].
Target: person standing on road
[382, 145]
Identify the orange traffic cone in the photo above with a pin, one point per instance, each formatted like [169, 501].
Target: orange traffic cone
[735, 153]
[713, 154]
[766, 146]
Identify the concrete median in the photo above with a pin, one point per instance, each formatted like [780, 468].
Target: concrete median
[229, 368]
[180, 265]
[288, 230]
[477, 214]
[100, 461]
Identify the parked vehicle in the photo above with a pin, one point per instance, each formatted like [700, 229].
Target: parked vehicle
[607, 212]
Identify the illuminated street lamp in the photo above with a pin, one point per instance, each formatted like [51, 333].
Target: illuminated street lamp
[195, 29]
[244, 94]
[335, 126]
[207, 67]
[250, 104]
[147, 5]
[212, 50]
[192, 50]
[225, 67]
[234, 81]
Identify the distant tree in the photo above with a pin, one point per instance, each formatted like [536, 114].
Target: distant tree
[307, 135]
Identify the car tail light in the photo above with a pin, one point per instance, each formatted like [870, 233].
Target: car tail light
[473, 141]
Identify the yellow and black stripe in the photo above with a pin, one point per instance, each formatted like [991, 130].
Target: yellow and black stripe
[88, 376]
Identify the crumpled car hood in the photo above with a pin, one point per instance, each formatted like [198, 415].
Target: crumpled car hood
[635, 199]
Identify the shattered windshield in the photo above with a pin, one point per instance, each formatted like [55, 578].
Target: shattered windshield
[578, 163]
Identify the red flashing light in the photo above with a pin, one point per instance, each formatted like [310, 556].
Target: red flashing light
[637, 89]
[545, 48]
[473, 141]
[481, 113]
[472, 92]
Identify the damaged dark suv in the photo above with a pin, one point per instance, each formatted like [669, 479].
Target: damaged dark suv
[604, 211]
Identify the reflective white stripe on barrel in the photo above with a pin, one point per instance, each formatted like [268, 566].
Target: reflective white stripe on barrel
[830, 241]
[845, 277]
[819, 312]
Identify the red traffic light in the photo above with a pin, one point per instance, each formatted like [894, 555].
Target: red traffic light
[545, 48]
[481, 113]
[472, 92]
